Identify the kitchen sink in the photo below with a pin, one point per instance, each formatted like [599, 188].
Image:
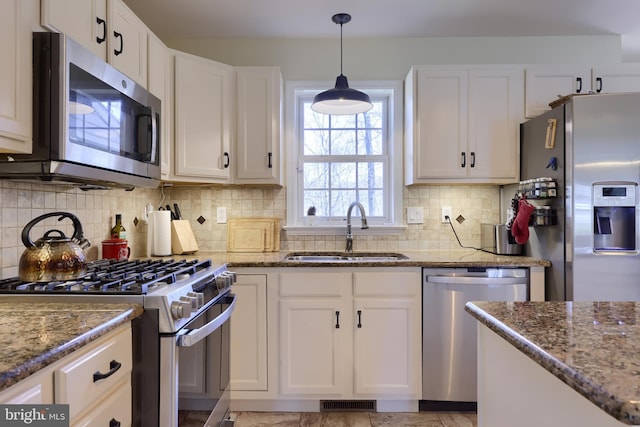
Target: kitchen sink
[343, 257]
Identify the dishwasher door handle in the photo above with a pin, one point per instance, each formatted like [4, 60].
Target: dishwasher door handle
[466, 280]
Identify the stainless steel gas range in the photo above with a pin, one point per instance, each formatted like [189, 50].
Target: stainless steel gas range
[188, 304]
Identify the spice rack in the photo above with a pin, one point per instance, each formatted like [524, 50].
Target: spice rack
[539, 188]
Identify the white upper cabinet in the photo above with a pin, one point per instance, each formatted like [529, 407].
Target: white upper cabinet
[17, 20]
[160, 84]
[616, 78]
[87, 24]
[462, 124]
[127, 41]
[547, 83]
[106, 27]
[203, 119]
[258, 147]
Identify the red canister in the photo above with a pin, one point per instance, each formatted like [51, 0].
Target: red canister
[116, 249]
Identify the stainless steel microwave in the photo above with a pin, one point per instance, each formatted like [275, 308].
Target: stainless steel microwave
[92, 125]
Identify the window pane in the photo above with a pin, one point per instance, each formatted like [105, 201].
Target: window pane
[343, 122]
[313, 120]
[370, 175]
[370, 142]
[343, 142]
[373, 202]
[343, 175]
[372, 118]
[316, 142]
[319, 199]
[316, 175]
[340, 201]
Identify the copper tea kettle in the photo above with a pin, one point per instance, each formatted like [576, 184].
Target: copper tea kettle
[54, 256]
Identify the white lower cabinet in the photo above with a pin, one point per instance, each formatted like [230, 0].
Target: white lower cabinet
[95, 381]
[249, 334]
[350, 334]
[315, 324]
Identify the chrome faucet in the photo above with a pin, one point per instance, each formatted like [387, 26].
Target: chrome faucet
[364, 225]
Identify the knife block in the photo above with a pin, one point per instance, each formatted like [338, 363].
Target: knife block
[182, 239]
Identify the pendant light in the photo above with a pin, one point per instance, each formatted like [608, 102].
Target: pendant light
[341, 100]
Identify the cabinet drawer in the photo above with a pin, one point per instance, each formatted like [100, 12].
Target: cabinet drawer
[305, 284]
[117, 406]
[389, 284]
[74, 383]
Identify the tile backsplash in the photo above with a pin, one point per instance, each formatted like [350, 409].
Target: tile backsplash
[96, 209]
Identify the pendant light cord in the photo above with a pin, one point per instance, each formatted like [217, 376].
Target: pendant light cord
[341, 24]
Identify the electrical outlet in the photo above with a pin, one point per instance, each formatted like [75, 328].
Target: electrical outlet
[221, 215]
[446, 212]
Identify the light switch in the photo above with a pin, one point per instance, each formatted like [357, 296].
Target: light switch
[415, 215]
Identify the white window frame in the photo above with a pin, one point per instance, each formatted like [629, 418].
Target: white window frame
[295, 91]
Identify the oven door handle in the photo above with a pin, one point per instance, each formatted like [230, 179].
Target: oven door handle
[191, 337]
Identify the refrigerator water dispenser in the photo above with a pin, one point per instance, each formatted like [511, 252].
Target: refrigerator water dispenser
[614, 216]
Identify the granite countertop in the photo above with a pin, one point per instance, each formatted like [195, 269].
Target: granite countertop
[454, 258]
[594, 347]
[34, 335]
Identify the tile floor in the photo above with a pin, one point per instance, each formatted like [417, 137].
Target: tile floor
[338, 419]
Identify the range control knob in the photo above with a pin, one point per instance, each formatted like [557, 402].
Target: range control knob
[193, 301]
[199, 296]
[223, 281]
[180, 309]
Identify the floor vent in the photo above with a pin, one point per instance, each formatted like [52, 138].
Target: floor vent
[347, 406]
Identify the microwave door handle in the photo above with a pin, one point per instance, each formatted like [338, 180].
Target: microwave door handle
[193, 336]
[154, 134]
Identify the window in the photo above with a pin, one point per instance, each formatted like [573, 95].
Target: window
[342, 159]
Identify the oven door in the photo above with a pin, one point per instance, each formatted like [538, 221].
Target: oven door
[196, 361]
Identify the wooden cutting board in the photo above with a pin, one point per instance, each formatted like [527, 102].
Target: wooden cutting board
[253, 234]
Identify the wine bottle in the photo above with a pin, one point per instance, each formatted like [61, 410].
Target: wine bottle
[118, 231]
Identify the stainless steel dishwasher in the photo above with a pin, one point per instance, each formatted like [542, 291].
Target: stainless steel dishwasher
[449, 343]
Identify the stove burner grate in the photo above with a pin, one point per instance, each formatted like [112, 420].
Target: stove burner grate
[113, 277]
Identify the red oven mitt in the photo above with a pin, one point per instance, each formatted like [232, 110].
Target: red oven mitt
[520, 227]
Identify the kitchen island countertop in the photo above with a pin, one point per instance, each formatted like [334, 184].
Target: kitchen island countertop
[593, 347]
[34, 335]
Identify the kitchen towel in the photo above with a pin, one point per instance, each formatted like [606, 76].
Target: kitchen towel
[520, 227]
[161, 233]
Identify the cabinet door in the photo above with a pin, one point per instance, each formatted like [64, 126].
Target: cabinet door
[312, 346]
[37, 389]
[315, 333]
[87, 24]
[127, 36]
[160, 84]
[545, 83]
[616, 78]
[387, 334]
[440, 143]
[385, 340]
[495, 112]
[249, 334]
[16, 17]
[114, 410]
[203, 119]
[258, 145]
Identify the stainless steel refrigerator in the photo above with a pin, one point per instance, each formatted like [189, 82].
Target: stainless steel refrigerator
[590, 147]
